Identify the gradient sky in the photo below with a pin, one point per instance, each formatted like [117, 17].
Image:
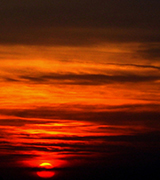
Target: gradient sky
[79, 84]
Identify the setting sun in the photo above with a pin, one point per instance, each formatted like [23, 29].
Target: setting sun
[47, 173]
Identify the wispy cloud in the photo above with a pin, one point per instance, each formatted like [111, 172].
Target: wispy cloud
[150, 51]
[136, 65]
[144, 115]
[86, 79]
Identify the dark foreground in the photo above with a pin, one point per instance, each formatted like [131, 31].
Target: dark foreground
[138, 171]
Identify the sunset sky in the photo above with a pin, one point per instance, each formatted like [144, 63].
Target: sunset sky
[79, 88]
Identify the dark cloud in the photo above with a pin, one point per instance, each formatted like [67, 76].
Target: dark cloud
[105, 144]
[150, 51]
[148, 137]
[52, 22]
[20, 122]
[147, 116]
[137, 65]
[86, 79]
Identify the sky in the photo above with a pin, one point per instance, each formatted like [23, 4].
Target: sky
[79, 89]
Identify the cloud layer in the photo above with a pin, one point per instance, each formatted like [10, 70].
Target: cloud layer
[79, 23]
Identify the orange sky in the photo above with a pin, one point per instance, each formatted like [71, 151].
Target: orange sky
[80, 86]
[55, 99]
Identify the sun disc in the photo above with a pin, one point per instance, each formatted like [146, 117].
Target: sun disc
[47, 170]
[45, 174]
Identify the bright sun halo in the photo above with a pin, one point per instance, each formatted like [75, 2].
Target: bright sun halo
[46, 165]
